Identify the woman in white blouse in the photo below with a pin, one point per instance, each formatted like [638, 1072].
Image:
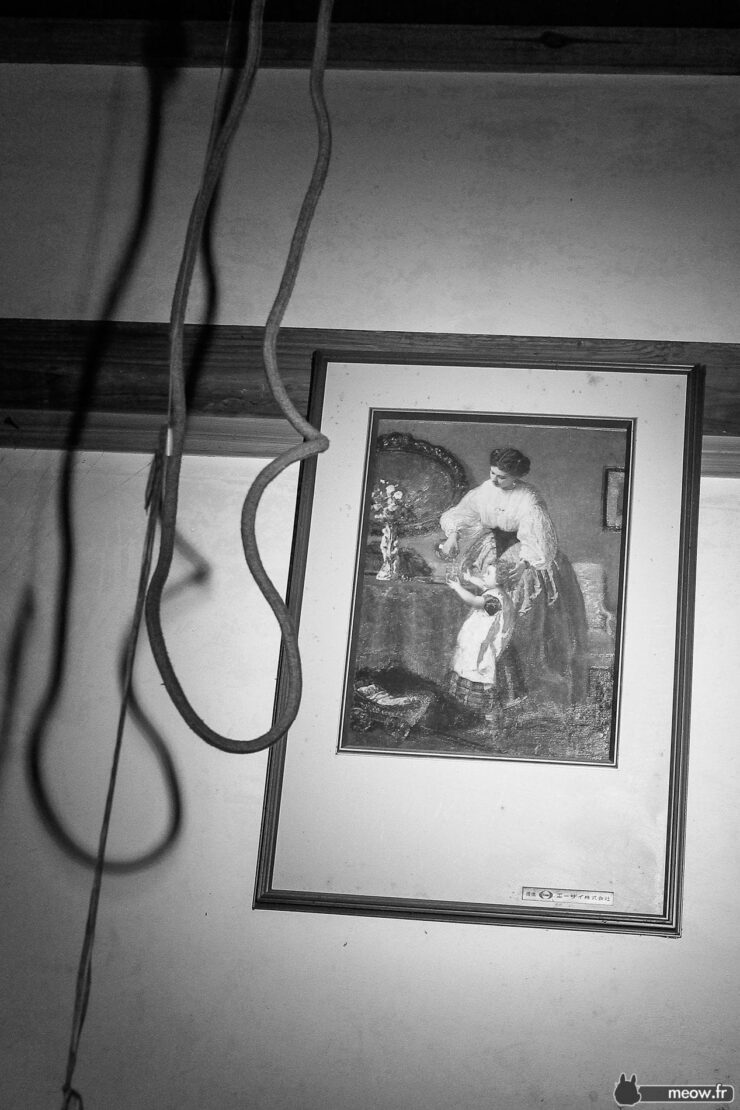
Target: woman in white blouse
[505, 520]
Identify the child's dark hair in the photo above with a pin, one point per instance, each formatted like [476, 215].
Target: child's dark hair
[492, 606]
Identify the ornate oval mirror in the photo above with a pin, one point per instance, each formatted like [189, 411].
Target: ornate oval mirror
[426, 480]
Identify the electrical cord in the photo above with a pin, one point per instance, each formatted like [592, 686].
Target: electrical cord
[314, 441]
[84, 973]
[162, 499]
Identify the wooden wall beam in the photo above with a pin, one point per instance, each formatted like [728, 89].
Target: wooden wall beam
[392, 46]
[42, 365]
[42, 361]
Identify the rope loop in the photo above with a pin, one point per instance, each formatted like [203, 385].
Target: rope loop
[314, 441]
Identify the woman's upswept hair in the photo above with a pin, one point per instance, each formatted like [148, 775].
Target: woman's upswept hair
[510, 461]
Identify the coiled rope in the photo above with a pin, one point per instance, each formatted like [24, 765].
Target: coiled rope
[314, 441]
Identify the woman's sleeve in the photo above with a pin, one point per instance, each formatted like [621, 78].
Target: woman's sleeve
[463, 515]
[536, 534]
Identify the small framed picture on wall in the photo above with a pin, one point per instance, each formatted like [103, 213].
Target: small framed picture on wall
[613, 500]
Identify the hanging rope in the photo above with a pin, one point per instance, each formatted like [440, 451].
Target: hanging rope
[161, 501]
[72, 1099]
[314, 443]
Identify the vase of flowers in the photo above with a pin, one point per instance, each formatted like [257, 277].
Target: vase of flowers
[390, 508]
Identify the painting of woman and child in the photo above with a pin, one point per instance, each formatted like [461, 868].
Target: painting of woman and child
[488, 589]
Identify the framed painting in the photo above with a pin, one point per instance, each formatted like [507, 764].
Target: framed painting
[492, 570]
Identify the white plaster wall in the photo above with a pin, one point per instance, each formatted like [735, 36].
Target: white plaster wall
[572, 206]
[540, 205]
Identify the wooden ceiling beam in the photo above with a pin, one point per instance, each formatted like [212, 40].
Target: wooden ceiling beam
[454, 48]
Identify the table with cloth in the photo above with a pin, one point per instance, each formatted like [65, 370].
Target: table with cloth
[413, 625]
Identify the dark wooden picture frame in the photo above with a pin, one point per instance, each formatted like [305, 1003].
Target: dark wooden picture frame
[319, 846]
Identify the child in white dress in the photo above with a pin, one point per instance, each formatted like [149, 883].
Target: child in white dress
[481, 640]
